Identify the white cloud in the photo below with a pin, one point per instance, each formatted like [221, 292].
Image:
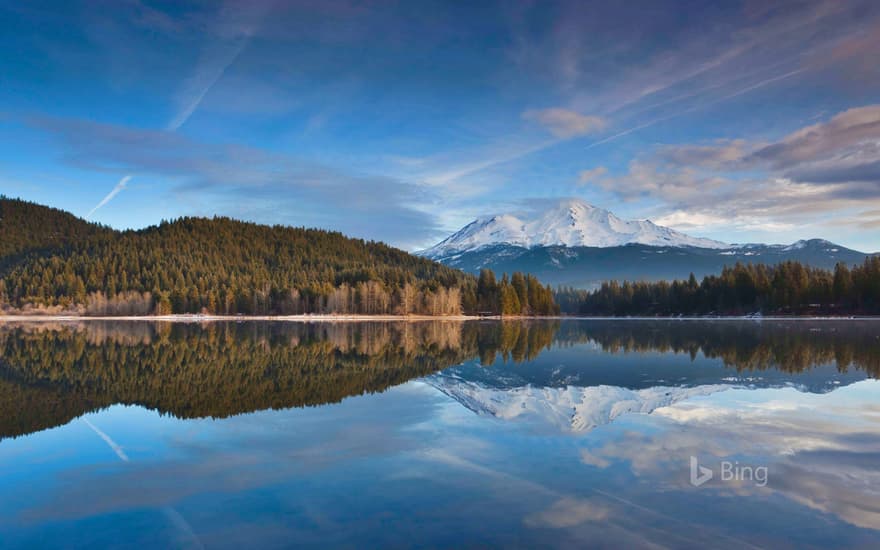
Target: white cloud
[568, 512]
[565, 124]
[591, 175]
[816, 172]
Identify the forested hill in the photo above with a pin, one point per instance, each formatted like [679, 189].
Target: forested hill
[26, 226]
[224, 266]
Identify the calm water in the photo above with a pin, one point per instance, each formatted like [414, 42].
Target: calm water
[441, 434]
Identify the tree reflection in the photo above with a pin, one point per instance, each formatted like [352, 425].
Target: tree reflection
[53, 373]
[50, 373]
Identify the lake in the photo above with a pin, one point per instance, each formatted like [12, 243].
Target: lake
[601, 433]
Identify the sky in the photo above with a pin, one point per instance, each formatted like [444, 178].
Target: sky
[752, 121]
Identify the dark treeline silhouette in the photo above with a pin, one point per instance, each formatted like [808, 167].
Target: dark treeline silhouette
[793, 346]
[789, 288]
[52, 262]
[50, 374]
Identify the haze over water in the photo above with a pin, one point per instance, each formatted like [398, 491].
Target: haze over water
[440, 434]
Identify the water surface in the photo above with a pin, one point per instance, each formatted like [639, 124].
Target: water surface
[440, 434]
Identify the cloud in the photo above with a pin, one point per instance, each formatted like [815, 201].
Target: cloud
[612, 68]
[592, 460]
[252, 454]
[568, 512]
[236, 24]
[591, 175]
[230, 34]
[250, 183]
[718, 155]
[565, 124]
[814, 142]
[816, 454]
[822, 169]
[617, 74]
[868, 219]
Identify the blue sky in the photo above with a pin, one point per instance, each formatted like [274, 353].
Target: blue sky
[401, 121]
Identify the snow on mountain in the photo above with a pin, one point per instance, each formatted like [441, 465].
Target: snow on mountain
[569, 409]
[569, 222]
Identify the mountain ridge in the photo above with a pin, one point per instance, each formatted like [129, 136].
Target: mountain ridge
[569, 222]
[510, 229]
[498, 244]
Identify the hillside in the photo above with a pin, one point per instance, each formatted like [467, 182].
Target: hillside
[225, 266]
[30, 227]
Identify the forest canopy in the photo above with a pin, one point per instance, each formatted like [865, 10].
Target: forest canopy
[53, 262]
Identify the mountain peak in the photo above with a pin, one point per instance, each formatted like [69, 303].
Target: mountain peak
[567, 222]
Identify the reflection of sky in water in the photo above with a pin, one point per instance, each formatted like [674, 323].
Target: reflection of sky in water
[413, 466]
[574, 447]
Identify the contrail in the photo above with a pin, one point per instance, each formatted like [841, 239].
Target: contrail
[116, 448]
[119, 187]
[694, 108]
[205, 78]
[214, 75]
[488, 164]
[173, 515]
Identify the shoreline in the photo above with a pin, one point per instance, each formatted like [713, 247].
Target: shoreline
[197, 318]
[331, 318]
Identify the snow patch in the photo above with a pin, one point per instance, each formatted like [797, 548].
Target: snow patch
[568, 223]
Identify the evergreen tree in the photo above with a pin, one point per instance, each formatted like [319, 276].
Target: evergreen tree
[224, 266]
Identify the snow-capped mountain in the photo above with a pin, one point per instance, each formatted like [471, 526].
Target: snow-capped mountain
[568, 409]
[570, 223]
[576, 244]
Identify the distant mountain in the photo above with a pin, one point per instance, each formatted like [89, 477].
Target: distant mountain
[576, 244]
[569, 223]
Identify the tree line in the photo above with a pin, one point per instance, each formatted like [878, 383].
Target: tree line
[519, 294]
[223, 266]
[789, 288]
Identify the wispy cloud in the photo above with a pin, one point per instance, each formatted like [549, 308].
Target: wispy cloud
[236, 25]
[819, 171]
[250, 183]
[591, 175]
[566, 129]
[564, 123]
[693, 108]
[694, 69]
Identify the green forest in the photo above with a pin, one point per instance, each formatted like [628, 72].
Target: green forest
[53, 262]
[789, 288]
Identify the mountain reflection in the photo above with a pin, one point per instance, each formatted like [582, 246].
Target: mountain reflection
[53, 373]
